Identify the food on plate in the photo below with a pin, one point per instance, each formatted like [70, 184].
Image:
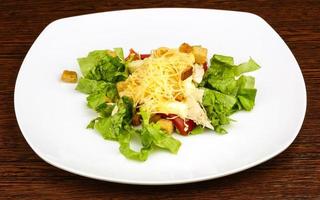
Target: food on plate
[169, 90]
[69, 76]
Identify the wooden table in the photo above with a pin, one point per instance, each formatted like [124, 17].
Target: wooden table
[294, 174]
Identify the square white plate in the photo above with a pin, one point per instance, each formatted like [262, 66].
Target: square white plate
[53, 116]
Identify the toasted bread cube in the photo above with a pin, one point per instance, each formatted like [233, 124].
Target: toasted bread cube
[185, 48]
[69, 76]
[186, 73]
[154, 118]
[200, 54]
[166, 125]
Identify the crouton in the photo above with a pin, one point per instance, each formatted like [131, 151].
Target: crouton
[136, 120]
[186, 73]
[69, 76]
[166, 125]
[200, 54]
[185, 48]
[154, 118]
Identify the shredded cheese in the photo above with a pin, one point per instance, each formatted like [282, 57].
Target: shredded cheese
[158, 80]
[156, 83]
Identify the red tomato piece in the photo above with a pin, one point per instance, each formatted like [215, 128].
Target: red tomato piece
[205, 66]
[143, 56]
[180, 124]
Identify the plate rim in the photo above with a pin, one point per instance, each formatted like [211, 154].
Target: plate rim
[169, 182]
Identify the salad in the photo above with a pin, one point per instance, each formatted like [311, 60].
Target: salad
[171, 90]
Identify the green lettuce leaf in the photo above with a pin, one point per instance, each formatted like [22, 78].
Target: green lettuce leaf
[197, 130]
[110, 127]
[152, 134]
[119, 53]
[222, 74]
[105, 109]
[109, 69]
[226, 92]
[99, 65]
[111, 92]
[246, 93]
[96, 99]
[92, 123]
[88, 86]
[100, 91]
[247, 98]
[219, 107]
[124, 141]
[246, 82]
[118, 127]
[161, 139]
[249, 66]
[89, 62]
[212, 97]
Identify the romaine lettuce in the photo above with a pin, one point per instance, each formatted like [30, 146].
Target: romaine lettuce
[109, 69]
[99, 65]
[124, 141]
[88, 63]
[118, 127]
[151, 134]
[89, 86]
[226, 92]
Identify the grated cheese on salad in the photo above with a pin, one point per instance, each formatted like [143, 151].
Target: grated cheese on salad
[157, 83]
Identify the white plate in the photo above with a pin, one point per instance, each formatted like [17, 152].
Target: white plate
[53, 116]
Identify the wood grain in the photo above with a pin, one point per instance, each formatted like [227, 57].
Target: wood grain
[294, 174]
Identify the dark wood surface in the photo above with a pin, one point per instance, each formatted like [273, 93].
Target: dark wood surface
[294, 174]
